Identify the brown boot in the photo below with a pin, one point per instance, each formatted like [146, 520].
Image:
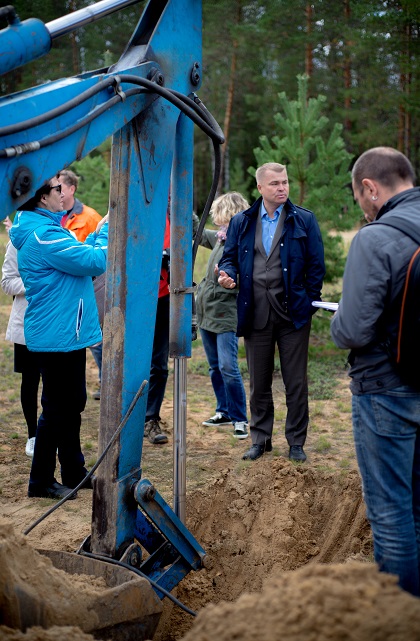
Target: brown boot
[154, 432]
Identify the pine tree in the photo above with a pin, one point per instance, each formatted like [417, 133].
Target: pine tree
[94, 176]
[317, 165]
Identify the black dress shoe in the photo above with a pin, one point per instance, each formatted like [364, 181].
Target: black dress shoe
[255, 451]
[296, 453]
[53, 491]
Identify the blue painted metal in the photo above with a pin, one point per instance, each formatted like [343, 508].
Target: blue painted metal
[152, 151]
[168, 523]
[22, 42]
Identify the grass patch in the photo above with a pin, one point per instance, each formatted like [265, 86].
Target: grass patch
[344, 464]
[322, 445]
[198, 366]
[323, 372]
[343, 407]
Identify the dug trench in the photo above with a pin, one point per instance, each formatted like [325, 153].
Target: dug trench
[289, 557]
[289, 549]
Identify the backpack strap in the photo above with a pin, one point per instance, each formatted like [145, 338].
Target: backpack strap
[400, 222]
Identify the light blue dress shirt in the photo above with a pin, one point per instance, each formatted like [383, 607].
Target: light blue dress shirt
[269, 226]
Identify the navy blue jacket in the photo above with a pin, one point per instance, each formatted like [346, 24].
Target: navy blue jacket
[302, 257]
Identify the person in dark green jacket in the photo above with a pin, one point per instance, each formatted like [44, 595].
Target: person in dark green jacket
[217, 320]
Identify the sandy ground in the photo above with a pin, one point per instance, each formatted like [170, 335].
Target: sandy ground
[289, 550]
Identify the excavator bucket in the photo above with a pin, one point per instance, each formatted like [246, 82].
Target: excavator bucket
[100, 598]
[127, 610]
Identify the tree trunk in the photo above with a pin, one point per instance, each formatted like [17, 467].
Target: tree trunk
[309, 62]
[223, 179]
[347, 69]
[404, 124]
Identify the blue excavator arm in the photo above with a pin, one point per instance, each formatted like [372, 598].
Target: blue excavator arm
[147, 102]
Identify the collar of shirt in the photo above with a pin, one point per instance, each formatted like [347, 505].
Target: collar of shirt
[264, 215]
[269, 226]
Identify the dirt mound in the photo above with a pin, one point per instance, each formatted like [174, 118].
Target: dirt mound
[340, 602]
[29, 584]
[34, 592]
[56, 633]
[261, 519]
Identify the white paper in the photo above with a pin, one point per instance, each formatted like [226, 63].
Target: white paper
[331, 307]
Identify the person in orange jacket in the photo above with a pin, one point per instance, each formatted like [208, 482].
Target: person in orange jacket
[78, 217]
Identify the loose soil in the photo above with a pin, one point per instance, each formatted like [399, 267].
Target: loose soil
[289, 549]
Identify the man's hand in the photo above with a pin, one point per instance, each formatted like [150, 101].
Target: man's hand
[226, 281]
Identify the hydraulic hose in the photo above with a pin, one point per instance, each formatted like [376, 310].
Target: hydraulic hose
[127, 415]
[61, 109]
[188, 106]
[155, 585]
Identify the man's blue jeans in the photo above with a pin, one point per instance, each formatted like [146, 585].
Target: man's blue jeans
[387, 437]
[222, 356]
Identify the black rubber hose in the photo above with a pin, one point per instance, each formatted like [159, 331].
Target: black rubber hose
[182, 105]
[127, 415]
[9, 13]
[214, 132]
[155, 585]
[45, 142]
[61, 109]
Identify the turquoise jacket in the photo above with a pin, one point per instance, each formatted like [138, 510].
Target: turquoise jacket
[57, 271]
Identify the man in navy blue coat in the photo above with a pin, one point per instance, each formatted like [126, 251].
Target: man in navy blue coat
[275, 251]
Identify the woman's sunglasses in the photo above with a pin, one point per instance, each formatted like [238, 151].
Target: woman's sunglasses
[57, 188]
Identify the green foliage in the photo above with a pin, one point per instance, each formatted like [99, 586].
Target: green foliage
[239, 181]
[94, 174]
[317, 164]
[363, 57]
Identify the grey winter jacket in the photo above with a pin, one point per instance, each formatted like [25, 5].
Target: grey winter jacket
[216, 306]
[12, 284]
[367, 318]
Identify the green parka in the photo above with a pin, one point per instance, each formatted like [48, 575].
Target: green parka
[215, 305]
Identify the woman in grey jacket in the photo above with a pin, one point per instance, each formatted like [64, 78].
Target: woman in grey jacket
[217, 320]
[25, 362]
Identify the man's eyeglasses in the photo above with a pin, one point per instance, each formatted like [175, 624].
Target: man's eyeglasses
[57, 188]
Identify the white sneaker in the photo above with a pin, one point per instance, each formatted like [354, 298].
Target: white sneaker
[30, 446]
[240, 430]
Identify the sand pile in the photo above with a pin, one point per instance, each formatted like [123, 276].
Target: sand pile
[33, 592]
[259, 520]
[55, 633]
[351, 602]
[254, 521]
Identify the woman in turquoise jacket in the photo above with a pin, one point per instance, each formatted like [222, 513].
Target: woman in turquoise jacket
[60, 322]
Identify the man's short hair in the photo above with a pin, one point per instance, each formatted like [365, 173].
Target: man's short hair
[268, 166]
[69, 178]
[385, 165]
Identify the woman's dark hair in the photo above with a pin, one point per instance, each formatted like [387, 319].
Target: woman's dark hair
[36, 198]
